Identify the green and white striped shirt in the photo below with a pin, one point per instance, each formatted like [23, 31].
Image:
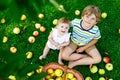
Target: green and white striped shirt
[81, 36]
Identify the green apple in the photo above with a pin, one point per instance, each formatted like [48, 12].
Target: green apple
[40, 69]
[3, 20]
[30, 73]
[88, 78]
[58, 72]
[11, 77]
[29, 55]
[104, 15]
[74, 78]
[101, 71]
[5, 39]
[110, 79]
[77, 12]
[69, 75]
[101, 78]
[16, 30]
[55, 21]
[37, 25]
[109, 66]
[41, 15]
[94, 69]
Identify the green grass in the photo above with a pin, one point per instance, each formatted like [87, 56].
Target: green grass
[12, 11]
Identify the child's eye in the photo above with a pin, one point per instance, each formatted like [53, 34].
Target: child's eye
[61, 26]
[66, 28]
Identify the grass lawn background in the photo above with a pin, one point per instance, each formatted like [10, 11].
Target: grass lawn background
[11, 11]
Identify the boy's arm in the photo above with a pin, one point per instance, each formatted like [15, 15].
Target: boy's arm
[50, 38]
[81, 49]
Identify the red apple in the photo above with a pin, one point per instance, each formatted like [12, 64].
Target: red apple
[106, 59]
[35, 33]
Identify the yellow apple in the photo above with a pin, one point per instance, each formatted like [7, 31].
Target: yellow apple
[47, 77]
[3, 20]
[40, 69]
[16, 30]
[41, 15]
[61, 7]
[42, 29]
[23, 17]
[104, 15]
[30, 73]
[50, 71]
[69, 75]
[109, 66]
[119, 30]
[59, 78]
[5, 39]
[77, 12]
[29, 55]
[101, 78]
[11, 77]
[88, 78]
[101, 71]
[31, 39]
[74, 78]
[13, 49]
[94, 69]
[55, 21]
[37, 25]
[58, 72]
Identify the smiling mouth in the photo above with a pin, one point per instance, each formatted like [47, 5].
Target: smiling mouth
[63, 31]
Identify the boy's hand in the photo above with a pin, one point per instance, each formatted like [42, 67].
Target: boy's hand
[81, 49]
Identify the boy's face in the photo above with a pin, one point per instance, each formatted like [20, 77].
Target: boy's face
[89, 20]
[63, 28]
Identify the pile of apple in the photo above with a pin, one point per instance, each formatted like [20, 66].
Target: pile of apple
[59, 72]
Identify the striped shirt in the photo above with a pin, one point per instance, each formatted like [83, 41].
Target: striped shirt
[81, 36]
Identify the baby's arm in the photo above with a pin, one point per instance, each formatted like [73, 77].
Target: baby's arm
[50, 38]
[65, 44]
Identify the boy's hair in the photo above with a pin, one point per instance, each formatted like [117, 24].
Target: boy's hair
[63, 20]
[91, 9]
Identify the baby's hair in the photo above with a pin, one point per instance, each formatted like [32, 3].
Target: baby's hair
[63, 20]
[91, 9]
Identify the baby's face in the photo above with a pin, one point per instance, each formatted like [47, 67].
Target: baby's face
[89, 20]
[63, 28]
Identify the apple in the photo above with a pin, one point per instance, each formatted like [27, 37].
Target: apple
[119, 30]
[74, 78]
[16, 30]
[5, 39]
[11, 77]
[37, 25]
[101, 71]
[110, 79]
[31, 39]
[47, 77]
[61, 7]
[29, 55]
[104, 15]
[101, 78]
[109, 66]
[3, 20]
[106, 59]
[42, 29]
[58, 72]
[41, 15]
[35, 33]
[59, 78]
[88, 78]
[23, 17]
[55, 21]
[30, 73]
[69, 75]
[50, 71]
[77, 12]
[94, 69]
[40, 69]
[13, 49]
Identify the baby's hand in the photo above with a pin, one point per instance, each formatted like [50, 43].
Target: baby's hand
[41, 57]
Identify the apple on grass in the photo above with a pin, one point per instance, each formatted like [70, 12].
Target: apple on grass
[23, 17]
[29, 55]
[55, 21]
[13, 49]
[94, 69]
[37, 25]
[104, 15]
[3, 20]
[101, 78]
[58, 72]
[30, 73]
[35, 33]
[77, 12]
[41, 15]
[12, 77]
[106, 59]
[88, 78]
[42, 29]
[109, 66]
[16, 30]
[101, 71]
[31, 39]
[5, 39]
